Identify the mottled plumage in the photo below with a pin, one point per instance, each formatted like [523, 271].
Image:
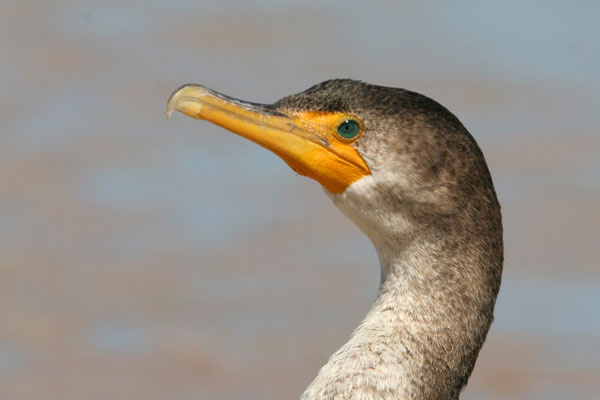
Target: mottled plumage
[416, 183]
[430, 209]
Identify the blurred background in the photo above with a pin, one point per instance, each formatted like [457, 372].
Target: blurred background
[155, 259]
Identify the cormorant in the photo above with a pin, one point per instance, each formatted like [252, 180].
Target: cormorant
[413, 179]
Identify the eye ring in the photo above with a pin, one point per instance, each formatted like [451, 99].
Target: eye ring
[349, 129]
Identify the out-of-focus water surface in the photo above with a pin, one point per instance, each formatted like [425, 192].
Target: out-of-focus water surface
[155, 259]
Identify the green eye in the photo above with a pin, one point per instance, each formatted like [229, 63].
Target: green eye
[348, 129]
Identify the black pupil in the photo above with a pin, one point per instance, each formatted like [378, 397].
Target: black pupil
[348, 129]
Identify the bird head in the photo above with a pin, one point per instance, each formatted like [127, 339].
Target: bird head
[377, 151]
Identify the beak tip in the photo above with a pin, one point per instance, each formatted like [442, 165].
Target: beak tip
[183, 94]
[172, 104]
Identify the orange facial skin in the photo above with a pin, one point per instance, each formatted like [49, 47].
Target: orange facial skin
[306, 140]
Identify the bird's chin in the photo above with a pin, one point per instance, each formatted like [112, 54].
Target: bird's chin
[363, 203]
[357, 201]
[355, 194]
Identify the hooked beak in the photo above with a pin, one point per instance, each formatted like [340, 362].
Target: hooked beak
[305, 140]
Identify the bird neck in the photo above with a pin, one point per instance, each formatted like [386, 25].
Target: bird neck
[414, 343]
[421, 338]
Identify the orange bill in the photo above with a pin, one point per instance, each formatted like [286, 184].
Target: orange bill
[306, 140]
